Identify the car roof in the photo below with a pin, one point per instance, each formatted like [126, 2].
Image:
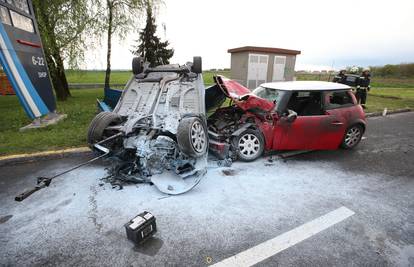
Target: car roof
[306, 86]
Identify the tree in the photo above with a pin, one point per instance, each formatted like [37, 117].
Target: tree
[120, 18]
[149, 45]
[63, 26]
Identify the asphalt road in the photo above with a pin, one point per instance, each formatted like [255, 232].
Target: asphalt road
[79, 221]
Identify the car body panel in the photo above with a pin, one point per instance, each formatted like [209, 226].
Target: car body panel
[242, 96]
[165, 97]
[311, 132]
[308, 132]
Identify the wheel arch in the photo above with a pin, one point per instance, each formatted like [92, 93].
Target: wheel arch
[361, 123]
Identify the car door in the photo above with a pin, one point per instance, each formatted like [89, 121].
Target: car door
[313, 129]
[341, 105]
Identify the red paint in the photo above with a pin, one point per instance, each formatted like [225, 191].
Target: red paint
[305, 133]
[242, 96]
[23, 42]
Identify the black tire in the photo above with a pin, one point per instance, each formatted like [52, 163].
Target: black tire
[352, 136]
[192, 137]
[197, 65]
[96, 131]
[92, 126]
[137, 65]
[249, 145]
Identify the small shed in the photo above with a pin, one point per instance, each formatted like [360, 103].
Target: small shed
[252, 65]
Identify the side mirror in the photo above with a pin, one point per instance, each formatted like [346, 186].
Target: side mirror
[291, 117]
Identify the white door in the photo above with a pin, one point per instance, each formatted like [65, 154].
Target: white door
[257, 70]
[279, 68]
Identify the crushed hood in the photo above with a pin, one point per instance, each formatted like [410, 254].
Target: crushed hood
[241, 96]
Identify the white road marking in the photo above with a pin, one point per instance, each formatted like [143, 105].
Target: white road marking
[273, 246]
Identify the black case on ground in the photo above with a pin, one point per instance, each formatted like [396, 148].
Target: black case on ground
[141, 227]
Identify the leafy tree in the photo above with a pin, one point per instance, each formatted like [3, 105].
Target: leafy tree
[63, 25]
[149, 45]
[120, 19]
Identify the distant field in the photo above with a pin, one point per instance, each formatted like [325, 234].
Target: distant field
[97, 76]
[121, 77]
[375, 82]
[402, 93]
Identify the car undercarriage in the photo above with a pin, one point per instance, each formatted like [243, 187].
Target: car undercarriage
[158, 126]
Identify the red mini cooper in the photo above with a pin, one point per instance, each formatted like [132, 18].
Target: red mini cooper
[300, 115]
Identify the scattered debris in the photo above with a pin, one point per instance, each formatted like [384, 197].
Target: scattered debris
[270, 161]
[229, 172]
[289, 154]
[140, 228]
[4, 219]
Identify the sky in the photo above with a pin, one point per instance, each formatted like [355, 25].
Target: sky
[329, 33]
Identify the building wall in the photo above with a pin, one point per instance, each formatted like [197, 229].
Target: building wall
[290, 68]
[239, 66]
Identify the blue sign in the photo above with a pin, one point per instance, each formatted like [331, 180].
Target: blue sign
[23, 59]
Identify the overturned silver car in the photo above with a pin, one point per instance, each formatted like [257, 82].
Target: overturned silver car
[157, 127]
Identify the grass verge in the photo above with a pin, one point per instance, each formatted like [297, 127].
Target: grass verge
[68, 133]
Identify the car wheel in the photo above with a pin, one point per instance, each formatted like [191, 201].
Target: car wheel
[96, 131]
[197, 65]
[249, 145]
[192, 137]
[137, 65]
[352, 136]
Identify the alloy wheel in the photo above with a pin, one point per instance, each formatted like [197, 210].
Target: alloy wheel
[352, 137]
[249, 145]
[198, 137]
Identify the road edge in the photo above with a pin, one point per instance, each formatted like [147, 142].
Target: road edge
[44, 155]
[379, 113]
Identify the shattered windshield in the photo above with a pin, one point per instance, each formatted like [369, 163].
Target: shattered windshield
[268, 93]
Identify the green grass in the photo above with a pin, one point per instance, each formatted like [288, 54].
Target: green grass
[97, 76]
[377, 103]
[403, 93]
[121, 77]
[68, 133]
[375, 81]
[81, 108]
[208, 76]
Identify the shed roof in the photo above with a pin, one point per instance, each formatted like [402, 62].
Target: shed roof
[264, 50]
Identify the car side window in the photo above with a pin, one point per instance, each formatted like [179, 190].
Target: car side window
[338, 99]
[306, 103]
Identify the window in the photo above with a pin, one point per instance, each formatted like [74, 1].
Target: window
[254, 59]
[22, 22]
[22, 5]
[268, 93]
[263, 59]
[306, 103]
[4, 15]
[338, 99]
